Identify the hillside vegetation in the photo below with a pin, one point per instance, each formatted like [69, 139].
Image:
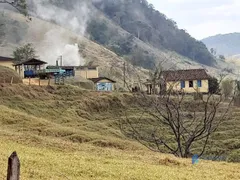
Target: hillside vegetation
[72, 133]
[141, 21]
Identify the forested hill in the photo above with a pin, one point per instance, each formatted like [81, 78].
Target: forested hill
[226, 44]
[141, 21]
[139, 18]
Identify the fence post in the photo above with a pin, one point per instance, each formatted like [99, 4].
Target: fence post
[12, 80]
[13, 172]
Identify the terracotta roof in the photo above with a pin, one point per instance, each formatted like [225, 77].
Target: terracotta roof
[32, 61]
[188, 75]
[96, 80]
[6, 58]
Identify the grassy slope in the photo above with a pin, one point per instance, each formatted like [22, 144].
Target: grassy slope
[35, 31]
[8, 75]
[68, 133]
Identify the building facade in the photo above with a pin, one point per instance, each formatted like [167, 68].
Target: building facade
[103, 84]
[6, 62]
[189, 86]
[87, 72]
[187, 81]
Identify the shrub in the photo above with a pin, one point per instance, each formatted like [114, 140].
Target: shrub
[213, 85]
[234, 156]
[227, 87]
[198, 96]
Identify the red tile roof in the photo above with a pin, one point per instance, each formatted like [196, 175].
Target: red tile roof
[187, 75]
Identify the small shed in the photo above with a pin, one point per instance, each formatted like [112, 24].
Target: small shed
[29, 68]
[103, 83]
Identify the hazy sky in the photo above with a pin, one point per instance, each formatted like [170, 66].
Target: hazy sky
[202, 18]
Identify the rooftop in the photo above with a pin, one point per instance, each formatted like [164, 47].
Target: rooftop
[190, 74]
[2, 58]
[32, 61]
[95, 80]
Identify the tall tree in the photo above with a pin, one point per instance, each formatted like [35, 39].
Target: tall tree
[24, 53]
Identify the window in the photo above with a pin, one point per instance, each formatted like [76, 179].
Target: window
[199, 83]
[182, 84]
[190, 84]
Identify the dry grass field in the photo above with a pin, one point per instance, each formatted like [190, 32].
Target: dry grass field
[68, 133]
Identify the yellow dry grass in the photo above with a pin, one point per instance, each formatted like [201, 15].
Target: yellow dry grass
[83, 161]
[66, 133]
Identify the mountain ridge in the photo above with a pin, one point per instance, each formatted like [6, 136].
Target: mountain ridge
[63, 29]
[224, 44]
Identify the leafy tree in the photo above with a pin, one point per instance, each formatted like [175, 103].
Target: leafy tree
[24, 53]
[213, 51]
[222, 57]
[213, 85]
[20, 5]
[142, 58]
[98, 31]
[123, 46]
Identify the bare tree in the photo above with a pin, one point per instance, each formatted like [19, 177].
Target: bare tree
[20, 5]
[173, 122]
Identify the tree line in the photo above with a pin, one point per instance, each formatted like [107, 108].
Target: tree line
[139, 18]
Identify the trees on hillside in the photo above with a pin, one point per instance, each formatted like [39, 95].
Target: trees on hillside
[153, 27]
[24, 53]
[20, 5]
[172, 122]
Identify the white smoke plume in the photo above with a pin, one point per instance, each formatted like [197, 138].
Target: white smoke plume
[56, 43]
